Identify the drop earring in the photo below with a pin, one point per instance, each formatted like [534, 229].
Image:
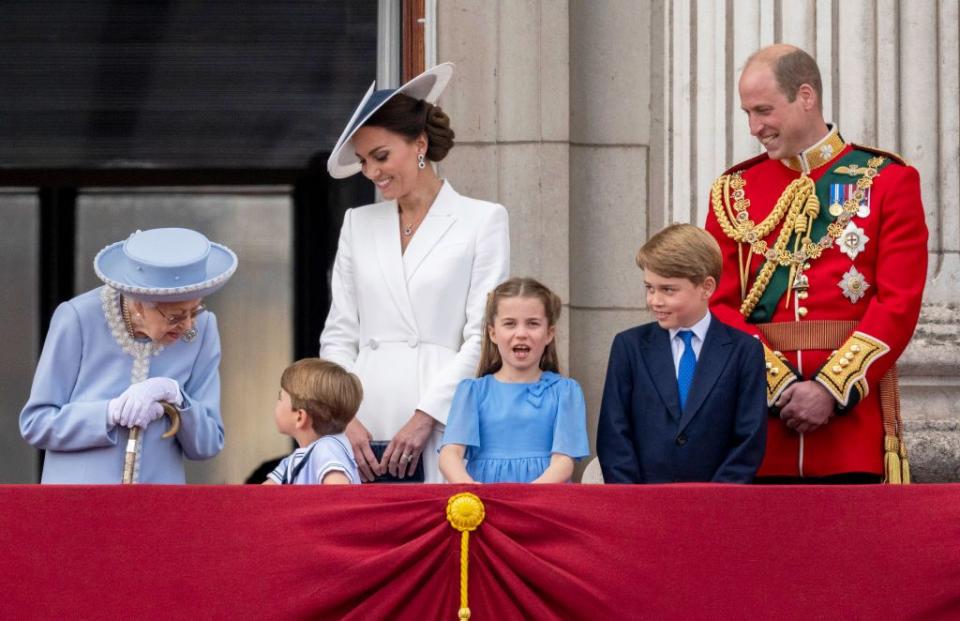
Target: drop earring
[421, 161]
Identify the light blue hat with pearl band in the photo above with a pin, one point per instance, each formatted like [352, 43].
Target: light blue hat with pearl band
[428, 86]
[165, 265]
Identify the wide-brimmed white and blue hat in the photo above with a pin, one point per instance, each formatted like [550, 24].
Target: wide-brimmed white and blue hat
[165, 265]
[427, 86]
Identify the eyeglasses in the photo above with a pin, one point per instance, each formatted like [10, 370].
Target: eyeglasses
[174, 320]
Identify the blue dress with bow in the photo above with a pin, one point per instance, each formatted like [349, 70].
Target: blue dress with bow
[511, 430]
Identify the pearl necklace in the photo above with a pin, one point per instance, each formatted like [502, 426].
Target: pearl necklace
[140, 350]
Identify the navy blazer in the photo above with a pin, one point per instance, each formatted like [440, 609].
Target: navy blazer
[643, 437]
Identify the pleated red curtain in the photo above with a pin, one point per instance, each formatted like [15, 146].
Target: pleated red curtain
[557, 552]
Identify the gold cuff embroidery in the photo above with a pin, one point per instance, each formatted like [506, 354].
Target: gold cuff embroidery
[779, 374]
[847, 367]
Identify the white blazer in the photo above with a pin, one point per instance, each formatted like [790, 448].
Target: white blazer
[409, 325]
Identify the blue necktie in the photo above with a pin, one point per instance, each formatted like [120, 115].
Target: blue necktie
[688, 364]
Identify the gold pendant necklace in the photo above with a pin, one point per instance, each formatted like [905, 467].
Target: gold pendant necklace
[409, 229]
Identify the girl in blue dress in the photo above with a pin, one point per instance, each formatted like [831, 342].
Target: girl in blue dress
[519, 421]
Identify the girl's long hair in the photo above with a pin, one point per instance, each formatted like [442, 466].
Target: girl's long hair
[490, 360]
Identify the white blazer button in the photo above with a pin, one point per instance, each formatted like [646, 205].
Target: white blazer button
[373, 344]
[413, 341]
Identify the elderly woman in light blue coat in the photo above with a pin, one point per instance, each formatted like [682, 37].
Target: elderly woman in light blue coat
[113, 355]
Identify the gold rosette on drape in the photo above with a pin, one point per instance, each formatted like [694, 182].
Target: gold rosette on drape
[465, 512]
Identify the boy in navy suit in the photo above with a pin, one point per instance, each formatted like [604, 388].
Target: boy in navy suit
[685, 396]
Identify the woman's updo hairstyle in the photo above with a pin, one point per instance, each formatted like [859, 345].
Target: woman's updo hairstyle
[411, 117]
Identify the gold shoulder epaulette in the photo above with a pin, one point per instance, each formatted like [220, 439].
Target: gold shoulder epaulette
[745, 164]
[896, 157]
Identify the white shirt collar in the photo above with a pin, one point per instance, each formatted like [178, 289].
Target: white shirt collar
[699, 329]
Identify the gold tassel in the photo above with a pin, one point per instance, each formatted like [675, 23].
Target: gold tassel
[802, 227]
[465, 512]
[891, 461]
[904, 463]
[812, 208]
[891, 467]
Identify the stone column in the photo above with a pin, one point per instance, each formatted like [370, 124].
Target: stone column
[508, 104]
[610, 129]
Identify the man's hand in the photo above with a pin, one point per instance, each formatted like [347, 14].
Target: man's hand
[805, 406]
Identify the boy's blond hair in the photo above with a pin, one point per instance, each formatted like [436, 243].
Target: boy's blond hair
[682, 251]
[326, 391]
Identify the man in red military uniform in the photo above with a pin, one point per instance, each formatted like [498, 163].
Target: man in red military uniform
[825, 252]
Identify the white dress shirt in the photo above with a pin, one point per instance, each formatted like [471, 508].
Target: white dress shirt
[699, 330]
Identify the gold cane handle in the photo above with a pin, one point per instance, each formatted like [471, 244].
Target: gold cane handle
[130, 455]
[174, 414]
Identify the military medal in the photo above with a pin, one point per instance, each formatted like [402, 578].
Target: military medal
[840, 193]
[837, 196]
[852, 240]
[853, 285]
[864, 210]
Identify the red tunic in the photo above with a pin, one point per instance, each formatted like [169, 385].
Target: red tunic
[893, 263]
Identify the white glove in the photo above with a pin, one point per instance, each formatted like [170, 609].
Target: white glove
[137, 406]
[142, 418]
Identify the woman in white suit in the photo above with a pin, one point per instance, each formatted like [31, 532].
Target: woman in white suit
[410, 278]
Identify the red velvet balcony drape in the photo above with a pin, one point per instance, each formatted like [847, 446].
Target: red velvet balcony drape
[554, 552]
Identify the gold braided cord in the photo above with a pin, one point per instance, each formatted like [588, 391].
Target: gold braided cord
[797, 193]
[745, 231]
[464, 613]
[895, 461]
[803, 228]
[465, 512]
[799, 207]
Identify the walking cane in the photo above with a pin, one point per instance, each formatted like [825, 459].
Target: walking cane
[130, 457]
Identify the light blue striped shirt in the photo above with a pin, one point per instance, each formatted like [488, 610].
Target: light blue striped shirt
[325, 455]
